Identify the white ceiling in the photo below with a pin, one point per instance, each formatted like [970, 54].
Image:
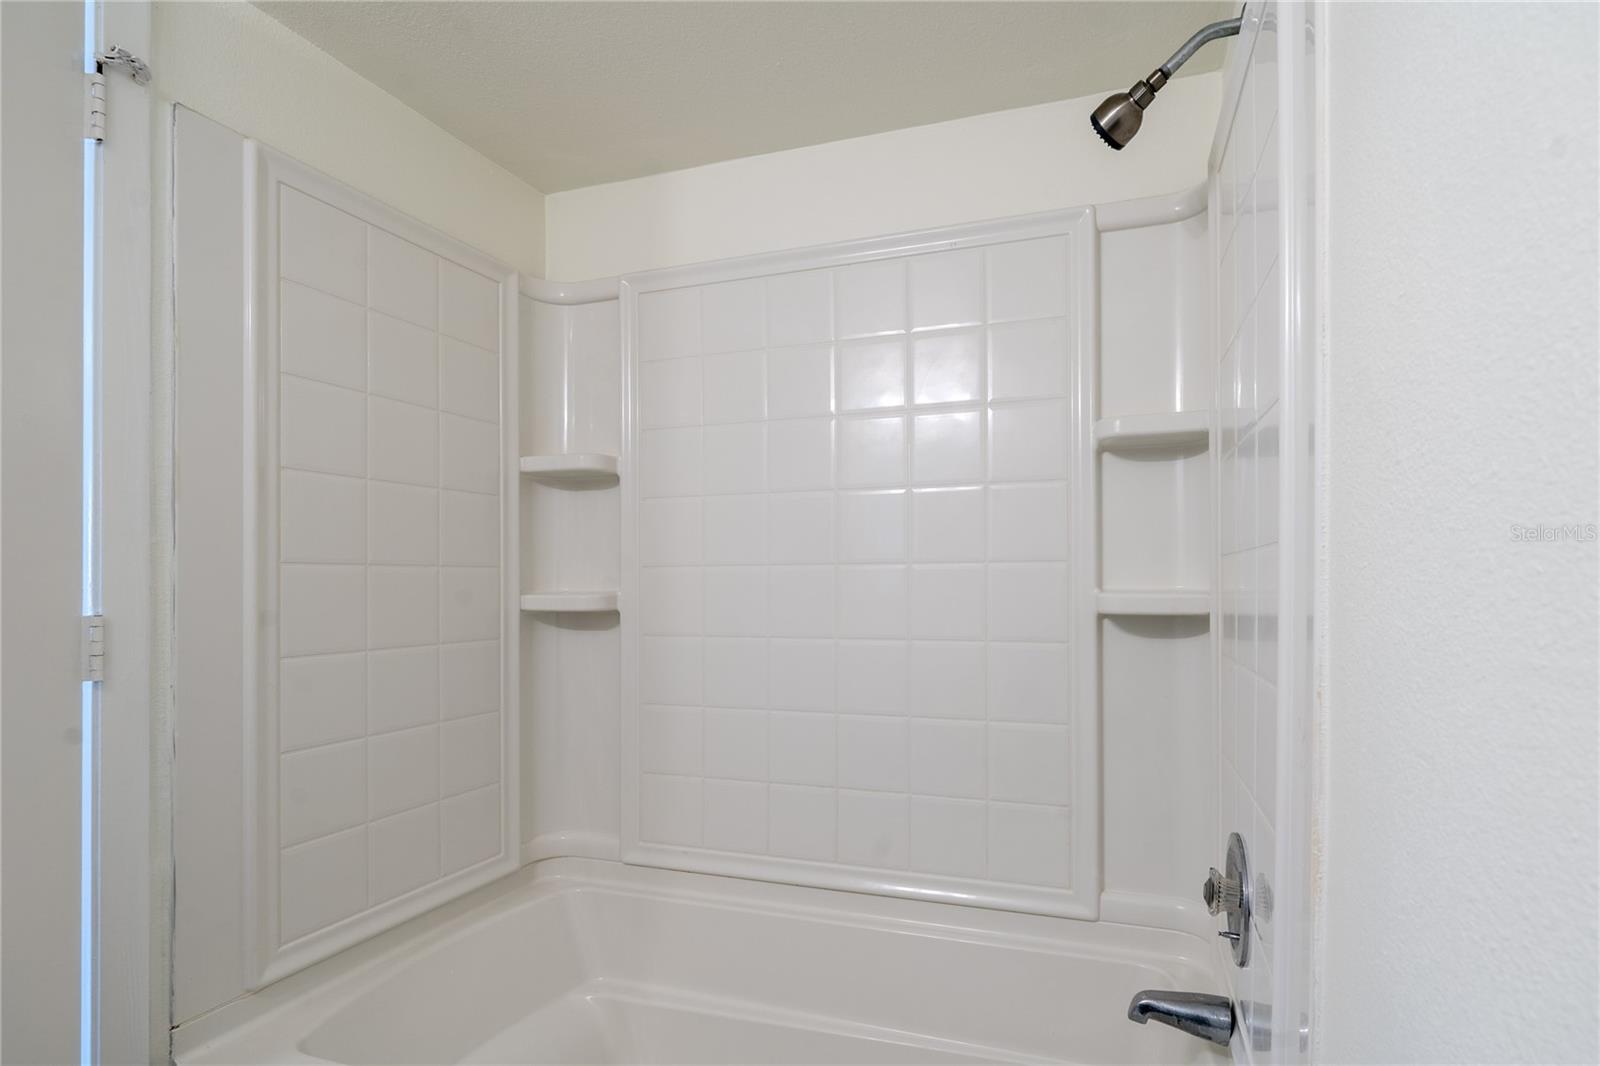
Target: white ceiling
[572, 94]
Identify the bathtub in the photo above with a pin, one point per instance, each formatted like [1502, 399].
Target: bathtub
[580, 961]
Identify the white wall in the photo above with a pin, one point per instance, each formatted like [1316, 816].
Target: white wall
[41, 531]
[233, 63]
[1016, 162]
[1459, 895]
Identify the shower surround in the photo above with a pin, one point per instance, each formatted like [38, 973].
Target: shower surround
[853, 630]
[868, 658]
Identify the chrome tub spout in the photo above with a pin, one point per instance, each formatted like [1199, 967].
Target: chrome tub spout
[1196, 1013]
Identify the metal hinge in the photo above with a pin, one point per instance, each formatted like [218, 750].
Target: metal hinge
[94, 95]
[94, 647]
[94, 107]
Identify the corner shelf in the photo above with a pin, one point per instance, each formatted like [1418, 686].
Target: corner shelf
[1137, 432]
[1154, 602]
[596, 600]
[581, 466]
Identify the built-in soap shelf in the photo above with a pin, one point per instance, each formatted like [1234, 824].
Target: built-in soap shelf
[579, 466]
[1166, 602]
[587, 601]
[1180, 429]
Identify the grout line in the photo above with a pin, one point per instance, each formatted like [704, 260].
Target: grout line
[908, 536]
[366, 576]
[985, 430]
[438, 466]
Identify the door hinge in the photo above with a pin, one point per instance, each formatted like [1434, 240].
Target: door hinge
[94, 95]
[94, 647]
[94, 107]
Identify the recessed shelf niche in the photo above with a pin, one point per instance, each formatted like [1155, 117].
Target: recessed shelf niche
[1152, 440]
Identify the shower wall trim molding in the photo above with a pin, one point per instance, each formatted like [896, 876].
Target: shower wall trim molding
[1157, 912]
[569, 844]
[1080, 896]
[270, 954]
[1151, 210]
[569, 293]
[845, 253]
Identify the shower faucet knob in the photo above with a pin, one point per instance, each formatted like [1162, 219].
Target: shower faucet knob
[1222, 894]
[1231, 896]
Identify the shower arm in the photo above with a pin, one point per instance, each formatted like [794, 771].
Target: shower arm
[1204, 36]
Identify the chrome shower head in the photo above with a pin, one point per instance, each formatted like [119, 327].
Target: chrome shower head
[1120, 115]
[1116, 120]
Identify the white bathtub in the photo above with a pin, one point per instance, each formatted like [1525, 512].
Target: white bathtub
[575, 961]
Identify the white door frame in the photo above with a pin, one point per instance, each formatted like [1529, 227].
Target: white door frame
[42, 564]
[131, 919]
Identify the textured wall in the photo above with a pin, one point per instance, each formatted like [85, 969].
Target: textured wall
[1460, 899]
[1016, 162]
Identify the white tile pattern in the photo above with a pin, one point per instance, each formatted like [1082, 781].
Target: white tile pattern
[388, 520]
[843, 527]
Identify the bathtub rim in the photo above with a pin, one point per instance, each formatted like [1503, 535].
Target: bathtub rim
[314, 995]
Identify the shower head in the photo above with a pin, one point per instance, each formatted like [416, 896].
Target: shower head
[1116, 120]
[1119, 115]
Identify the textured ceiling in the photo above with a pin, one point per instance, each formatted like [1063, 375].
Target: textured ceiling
[573, 94]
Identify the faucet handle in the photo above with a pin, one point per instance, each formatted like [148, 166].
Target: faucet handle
[1222, 893]
[1230, 895]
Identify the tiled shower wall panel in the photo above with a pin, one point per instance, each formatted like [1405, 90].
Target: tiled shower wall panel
[386, 571]
[1249, 320]
[852, 599]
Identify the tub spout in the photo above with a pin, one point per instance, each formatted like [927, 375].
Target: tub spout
[1196, 1013]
